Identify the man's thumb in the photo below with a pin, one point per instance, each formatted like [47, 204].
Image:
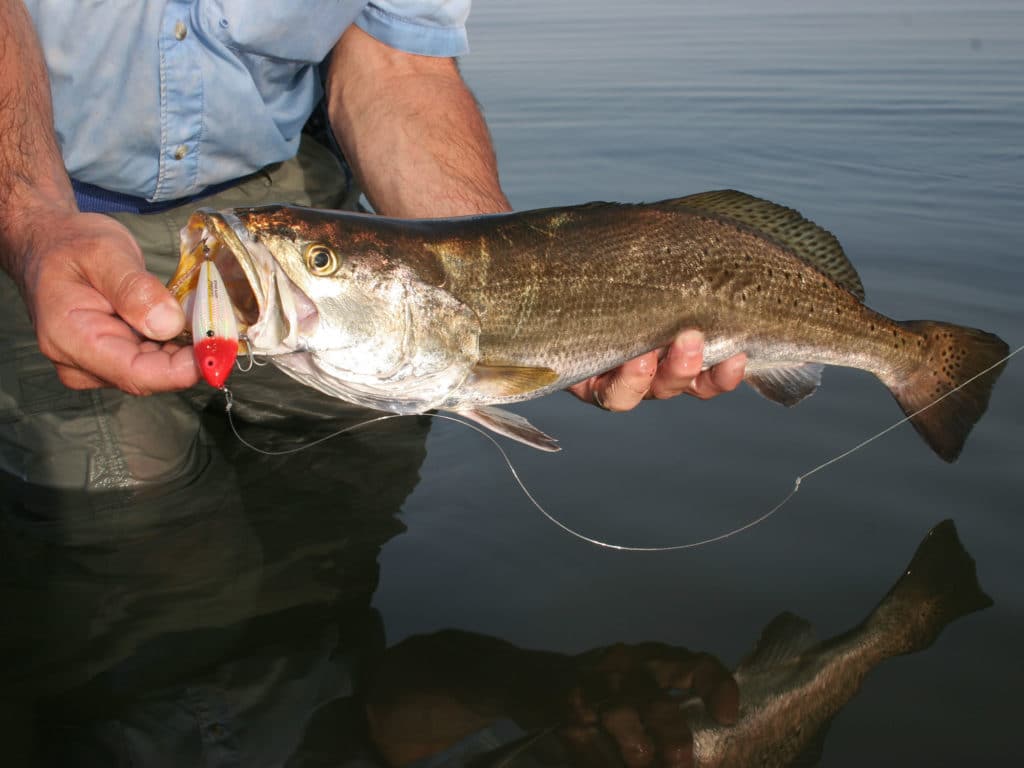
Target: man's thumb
[165, 320]
[137, 296]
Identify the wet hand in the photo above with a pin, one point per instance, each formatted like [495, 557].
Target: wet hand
[99, 316]
[661, 374]
[633, 694]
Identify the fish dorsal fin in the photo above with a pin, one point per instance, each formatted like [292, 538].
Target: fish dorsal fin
[815, 245]
[787, 385]
[783, 640]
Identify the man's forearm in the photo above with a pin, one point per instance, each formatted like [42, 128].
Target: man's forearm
[411, 130]
[32, 175]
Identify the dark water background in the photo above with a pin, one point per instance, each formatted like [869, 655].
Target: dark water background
[897, 125]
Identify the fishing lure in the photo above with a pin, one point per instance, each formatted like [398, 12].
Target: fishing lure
[214, 329]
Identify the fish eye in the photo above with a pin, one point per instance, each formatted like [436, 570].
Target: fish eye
[321, 260]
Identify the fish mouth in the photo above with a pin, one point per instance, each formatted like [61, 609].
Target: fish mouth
[272, 312]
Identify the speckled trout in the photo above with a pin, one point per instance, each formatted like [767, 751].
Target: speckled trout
[792, 685]
[466, 314]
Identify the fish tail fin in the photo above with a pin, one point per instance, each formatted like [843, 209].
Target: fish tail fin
[939, 585]
[952, 357]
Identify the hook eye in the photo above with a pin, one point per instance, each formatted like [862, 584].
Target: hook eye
[321, 260]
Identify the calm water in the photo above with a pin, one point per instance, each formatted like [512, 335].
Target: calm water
[899, 126]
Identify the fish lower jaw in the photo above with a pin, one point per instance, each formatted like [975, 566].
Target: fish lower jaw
[399, 393]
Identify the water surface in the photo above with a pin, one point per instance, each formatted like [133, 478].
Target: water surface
[896, 125]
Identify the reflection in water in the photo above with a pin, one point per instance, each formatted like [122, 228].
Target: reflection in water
[621, 705]
[228, 622]
[223, 622]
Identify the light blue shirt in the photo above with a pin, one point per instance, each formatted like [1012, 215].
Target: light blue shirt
[162, 98]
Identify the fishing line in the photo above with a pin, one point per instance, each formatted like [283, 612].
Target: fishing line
[625, 547]
[230, 402]
[796, 483]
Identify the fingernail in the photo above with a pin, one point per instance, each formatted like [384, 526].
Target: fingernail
[164, 320]
[692, 343]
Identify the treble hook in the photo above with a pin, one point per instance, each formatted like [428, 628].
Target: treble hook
[254, 362]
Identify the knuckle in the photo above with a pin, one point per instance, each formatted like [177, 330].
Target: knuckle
[74, 379]
[132, 287]
[620, 402]
[623, 394]
[665, 393]
[49, 349]
[617, 407]
[704, 393]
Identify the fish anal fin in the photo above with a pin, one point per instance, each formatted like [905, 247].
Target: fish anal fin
[815, 245]
[504, 381]
[787, 385]
[511, 425]
[785, 638]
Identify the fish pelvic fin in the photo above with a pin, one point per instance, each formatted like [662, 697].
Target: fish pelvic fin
[511, 425]
[787, 385]
[952, 355]
[812, 243]
[939, 585]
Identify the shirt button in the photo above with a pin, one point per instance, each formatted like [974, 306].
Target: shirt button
[180, 152]
[180, 30]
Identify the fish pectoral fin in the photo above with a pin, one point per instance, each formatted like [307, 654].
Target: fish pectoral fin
[503, 381]
[787, 385]
[511, 425]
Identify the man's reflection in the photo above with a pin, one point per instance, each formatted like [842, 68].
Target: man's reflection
[210, 623]
[227, 621]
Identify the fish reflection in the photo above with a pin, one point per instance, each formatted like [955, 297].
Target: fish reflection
[650, 704]
[228, 621]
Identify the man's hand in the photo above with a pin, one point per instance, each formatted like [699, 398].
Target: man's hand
[430, 691]
[99, 316]
[79, 274]
[633, 694]
[661, 374]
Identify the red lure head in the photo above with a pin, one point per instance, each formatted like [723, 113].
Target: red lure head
[215, 356]
[214, 329]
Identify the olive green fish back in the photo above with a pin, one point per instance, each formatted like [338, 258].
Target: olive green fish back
[815, 245]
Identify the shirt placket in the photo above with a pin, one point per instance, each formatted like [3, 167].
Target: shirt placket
[181, 104]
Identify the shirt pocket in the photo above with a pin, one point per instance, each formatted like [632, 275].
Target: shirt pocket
[298, 31]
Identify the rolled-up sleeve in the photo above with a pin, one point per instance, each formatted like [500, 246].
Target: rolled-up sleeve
[418, 26]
